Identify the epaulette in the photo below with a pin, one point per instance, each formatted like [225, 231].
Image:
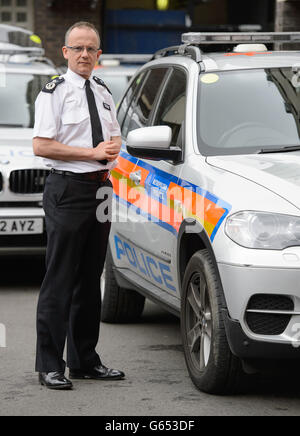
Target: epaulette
[51, 86]
[100, 82]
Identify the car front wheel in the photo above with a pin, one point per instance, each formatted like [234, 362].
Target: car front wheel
[210, 363]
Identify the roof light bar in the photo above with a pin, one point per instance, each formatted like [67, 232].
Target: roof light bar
[22, 50]
[240, 38]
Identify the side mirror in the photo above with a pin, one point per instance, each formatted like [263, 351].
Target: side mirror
[153, 143]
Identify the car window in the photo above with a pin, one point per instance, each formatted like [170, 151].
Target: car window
[141, 106]
[137, 82]
[18, 99]
[171, 106]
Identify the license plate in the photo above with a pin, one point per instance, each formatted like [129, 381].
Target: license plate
[21, 226]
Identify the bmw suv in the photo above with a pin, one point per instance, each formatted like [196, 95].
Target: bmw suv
[22, 175]
[206, 211]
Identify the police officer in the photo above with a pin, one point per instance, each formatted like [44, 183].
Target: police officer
[76, 131]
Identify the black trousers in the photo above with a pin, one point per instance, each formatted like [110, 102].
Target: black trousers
[70, 298]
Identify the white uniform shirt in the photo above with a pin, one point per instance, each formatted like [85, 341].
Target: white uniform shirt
[64, 116]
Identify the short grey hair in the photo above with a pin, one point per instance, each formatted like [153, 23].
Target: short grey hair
[85, 24]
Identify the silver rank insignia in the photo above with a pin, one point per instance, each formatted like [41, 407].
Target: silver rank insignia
[50, 86]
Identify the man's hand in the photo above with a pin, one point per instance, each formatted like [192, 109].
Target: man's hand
[108, 150]
[51, 149]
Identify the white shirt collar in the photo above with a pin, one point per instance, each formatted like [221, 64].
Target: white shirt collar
[75, 78]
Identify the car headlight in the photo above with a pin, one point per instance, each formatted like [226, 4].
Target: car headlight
[263, 230]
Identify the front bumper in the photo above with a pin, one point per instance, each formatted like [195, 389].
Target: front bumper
[243, 283]
[250, 350]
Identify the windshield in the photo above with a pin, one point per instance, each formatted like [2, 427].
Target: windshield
[243, 112]
[18, 93]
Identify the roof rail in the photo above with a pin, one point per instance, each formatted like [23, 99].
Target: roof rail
[199, 38]
[185, 49]
[165, 52]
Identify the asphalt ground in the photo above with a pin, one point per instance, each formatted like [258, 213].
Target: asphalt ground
[150, 353]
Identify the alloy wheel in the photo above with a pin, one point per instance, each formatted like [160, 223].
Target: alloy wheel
[198, 321]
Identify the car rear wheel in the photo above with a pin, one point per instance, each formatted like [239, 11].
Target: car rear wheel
[118, 305]
[211, 365]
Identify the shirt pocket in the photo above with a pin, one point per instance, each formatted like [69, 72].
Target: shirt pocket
[73, 114]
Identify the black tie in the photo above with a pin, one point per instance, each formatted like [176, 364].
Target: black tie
[97, 132]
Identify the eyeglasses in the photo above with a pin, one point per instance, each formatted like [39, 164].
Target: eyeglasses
[79, 49]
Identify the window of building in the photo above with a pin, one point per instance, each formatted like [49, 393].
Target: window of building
[17, 13]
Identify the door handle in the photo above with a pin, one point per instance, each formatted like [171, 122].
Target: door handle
[136, 177]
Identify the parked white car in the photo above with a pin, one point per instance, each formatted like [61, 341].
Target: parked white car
[207, 203]
[22, 175]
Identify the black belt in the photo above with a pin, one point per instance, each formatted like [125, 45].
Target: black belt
[96, 176]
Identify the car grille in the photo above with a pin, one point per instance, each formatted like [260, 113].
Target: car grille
[271, 302]
[30, 181]
[269, 314]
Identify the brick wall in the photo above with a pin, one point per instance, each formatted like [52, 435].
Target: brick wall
[288, 16]
[52, 23]
[288, 19]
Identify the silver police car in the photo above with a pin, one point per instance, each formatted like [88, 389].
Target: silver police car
[206, 216]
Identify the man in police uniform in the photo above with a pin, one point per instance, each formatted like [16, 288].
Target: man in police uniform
[76, 131]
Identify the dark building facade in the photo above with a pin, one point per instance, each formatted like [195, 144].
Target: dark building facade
[143, 26]
[53, 18]
[287, 16]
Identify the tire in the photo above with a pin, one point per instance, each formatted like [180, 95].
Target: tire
[118, 305]
[211, 365]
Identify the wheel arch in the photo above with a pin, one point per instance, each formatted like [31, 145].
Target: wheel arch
[192, 237]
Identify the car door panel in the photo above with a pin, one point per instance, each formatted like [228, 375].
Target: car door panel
[123, 217]
[128, 177]
[159, 228]
[160, 189]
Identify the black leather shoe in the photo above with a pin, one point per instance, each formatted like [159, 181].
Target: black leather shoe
[99, 372]
[55, 380]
